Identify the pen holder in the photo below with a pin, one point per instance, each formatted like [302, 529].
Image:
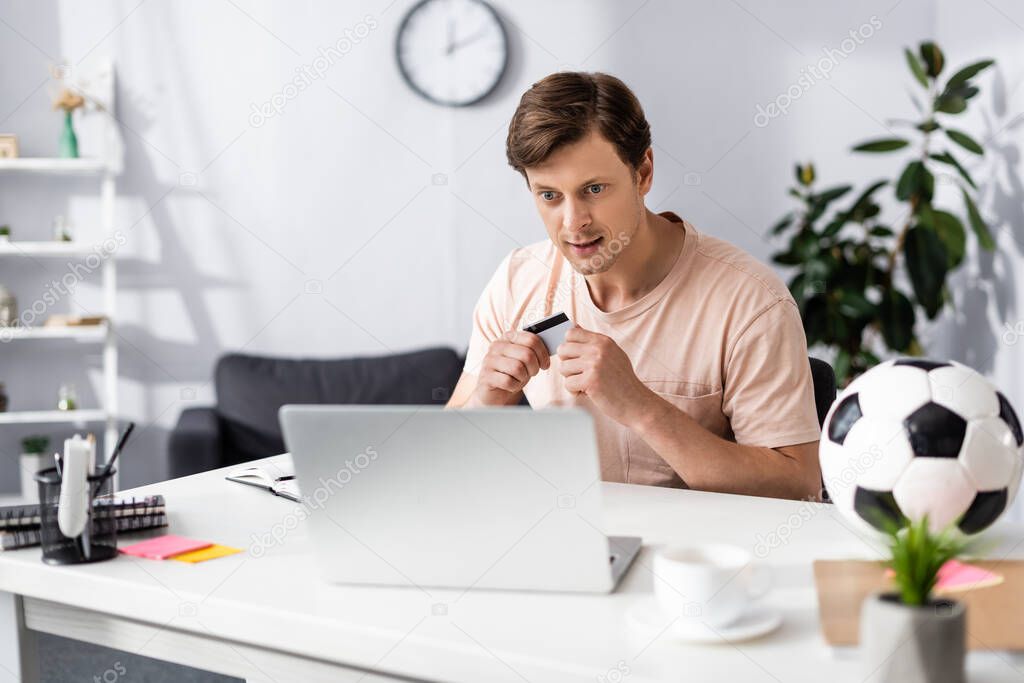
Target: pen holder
[98, 540]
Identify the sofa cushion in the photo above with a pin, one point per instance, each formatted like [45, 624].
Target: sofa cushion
[251, 389]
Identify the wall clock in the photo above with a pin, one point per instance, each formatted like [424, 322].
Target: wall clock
[452, 52]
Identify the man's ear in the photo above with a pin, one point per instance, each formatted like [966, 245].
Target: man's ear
[645, 172]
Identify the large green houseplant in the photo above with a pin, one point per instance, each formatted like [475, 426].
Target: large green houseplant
[864, 273]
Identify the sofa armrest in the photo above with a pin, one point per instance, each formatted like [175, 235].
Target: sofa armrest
[195, 444]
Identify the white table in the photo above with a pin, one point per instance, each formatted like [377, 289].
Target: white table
[270, 618]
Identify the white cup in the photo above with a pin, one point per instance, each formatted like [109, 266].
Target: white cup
[707, 585]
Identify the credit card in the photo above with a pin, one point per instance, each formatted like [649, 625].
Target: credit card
[551, 330]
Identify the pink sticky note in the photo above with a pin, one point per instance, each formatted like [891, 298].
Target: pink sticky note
[955, 575]
[163, 547]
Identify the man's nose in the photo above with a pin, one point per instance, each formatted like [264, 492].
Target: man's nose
[576, 216]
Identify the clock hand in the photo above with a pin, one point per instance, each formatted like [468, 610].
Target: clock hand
[466, 41]
[451, 36]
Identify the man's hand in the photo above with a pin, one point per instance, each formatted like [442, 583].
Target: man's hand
[507, 367]
[594, 365]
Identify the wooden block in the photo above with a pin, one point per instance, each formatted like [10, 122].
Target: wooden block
[995, 614]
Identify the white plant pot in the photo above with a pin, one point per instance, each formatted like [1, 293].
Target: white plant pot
[906, 644]
[29, 465]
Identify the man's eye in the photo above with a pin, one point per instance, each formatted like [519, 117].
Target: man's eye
[595, 189]
[547, 196]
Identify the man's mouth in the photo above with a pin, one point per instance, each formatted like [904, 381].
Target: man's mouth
[585, 248]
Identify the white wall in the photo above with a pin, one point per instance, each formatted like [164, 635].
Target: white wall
[343, 176]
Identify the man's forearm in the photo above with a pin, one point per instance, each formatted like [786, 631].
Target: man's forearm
[708, 462]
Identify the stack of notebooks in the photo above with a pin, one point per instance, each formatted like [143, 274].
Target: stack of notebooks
[19, 524]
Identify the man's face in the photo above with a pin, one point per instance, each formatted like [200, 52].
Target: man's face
[591, 201]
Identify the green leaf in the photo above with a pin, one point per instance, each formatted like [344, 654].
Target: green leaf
[950, 104]
[928, 126]
[852, 304]
[917, 181]
[977, 224]
[842, 363]
[933, 58]
[783, 223]
[916, 67]
[796, 288]
[804, 244]
[949, 229]
[787, 258]
[863, 208]
[947, 158]
[832, 194]
[818, 269]
[965, 141]
[815, 317]
[964, 91]
[896, 315]
[873, 188]
[837, 223]
[968, 72]
[927, 265]
[883, 145]
[881, 231]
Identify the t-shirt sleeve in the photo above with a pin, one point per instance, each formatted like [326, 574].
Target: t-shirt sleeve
[769, 393]
[489, 317]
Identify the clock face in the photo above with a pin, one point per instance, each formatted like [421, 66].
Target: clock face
[452, 52]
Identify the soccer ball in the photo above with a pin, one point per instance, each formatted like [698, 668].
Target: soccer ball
[915, 437]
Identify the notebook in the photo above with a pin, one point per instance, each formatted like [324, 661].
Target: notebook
[26, 537]
[278, 480]
[27, 516]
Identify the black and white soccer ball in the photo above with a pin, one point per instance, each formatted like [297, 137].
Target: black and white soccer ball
[914, 437]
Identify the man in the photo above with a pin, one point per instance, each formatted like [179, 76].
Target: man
[688, 352]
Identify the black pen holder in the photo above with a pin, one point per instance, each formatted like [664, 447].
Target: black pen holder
[98, 541]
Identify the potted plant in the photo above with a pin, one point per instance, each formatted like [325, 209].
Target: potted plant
[909, 635]
[33, 459]
[864, 274]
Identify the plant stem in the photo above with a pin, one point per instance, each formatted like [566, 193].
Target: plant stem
[914, 199]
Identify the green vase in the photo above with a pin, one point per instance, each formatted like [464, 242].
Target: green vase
[68, 139]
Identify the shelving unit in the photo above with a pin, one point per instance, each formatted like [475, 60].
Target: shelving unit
[100, 88]
[39, 417]
[81, 333]
[46, 249]
[101, 334]
[53, 166]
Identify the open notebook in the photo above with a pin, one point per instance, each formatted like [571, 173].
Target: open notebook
[278, 480]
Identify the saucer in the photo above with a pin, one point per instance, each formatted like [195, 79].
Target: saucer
[758, 621]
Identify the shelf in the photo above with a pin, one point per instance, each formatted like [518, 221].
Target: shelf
[81, 333]
[53, 248]
[53, 166]
[52, 416]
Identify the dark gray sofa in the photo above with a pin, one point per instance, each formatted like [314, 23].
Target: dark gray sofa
[243, 425]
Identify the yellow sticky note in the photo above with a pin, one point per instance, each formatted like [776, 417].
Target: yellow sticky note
[209, 553]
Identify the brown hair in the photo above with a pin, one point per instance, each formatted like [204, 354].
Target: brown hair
[562, 108]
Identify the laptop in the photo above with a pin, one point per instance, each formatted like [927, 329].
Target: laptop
[496, 498]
